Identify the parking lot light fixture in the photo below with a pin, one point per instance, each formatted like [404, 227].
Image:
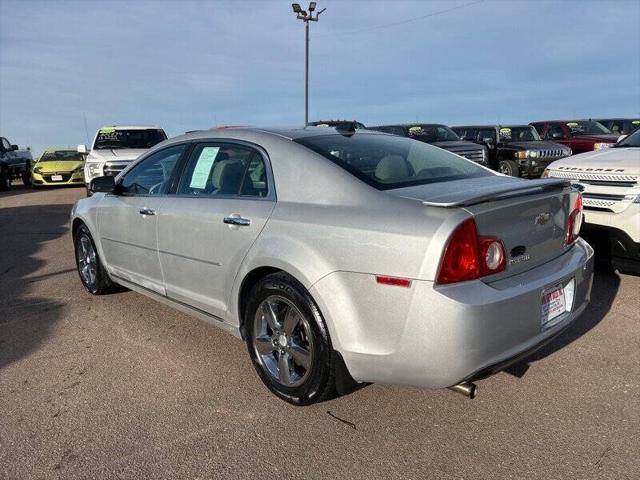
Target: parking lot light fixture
[306, 18]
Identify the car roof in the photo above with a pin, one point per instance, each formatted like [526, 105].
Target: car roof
[131, 127]
[494, 125]
[288, 133]
[411, 124]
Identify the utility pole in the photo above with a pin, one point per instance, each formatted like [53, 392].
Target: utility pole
[306, 17]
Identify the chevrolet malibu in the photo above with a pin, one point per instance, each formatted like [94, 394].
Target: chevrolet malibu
[342, 256]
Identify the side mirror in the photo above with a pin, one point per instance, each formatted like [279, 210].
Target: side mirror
[557, 136]
[621, 137]
[14, 147]
[103, 184]
[82, 149]
[489, 141]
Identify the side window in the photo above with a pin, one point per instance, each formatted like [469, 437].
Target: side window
[554, 132]
[224, 169]
[152, 176]
[539, 128]
[486, 133]
[470, 134]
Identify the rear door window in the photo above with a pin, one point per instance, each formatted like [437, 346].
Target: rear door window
[227, 169]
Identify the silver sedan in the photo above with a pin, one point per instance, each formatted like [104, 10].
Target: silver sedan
[340, 256]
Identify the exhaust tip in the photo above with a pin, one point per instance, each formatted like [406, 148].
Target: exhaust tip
[468, 389]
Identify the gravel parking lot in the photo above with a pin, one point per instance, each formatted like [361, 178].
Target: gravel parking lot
[123, 387]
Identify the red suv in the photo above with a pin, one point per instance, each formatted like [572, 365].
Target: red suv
[579, 135]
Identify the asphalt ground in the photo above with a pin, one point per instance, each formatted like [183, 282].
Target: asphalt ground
[121, 386]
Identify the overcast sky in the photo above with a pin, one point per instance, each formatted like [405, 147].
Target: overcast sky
[190, 65]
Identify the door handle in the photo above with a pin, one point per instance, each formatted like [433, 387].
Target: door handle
[236, 219]
[147, 211]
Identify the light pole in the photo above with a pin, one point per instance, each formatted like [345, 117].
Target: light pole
[306, 18]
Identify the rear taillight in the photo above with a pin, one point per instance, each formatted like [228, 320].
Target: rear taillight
[575, 222]
[468, 256]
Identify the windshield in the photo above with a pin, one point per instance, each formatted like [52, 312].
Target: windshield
[632, 140]
[385, 161]
[587, 127]
[518, 134]
[62, 156]
[112, 138]
[433, 133]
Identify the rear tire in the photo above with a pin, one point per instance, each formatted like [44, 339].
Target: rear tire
[509, 167]
[26, 178]
[92, 273]
[288, 341]
[5, 180]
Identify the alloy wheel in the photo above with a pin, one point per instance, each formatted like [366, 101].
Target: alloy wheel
[87, 260]
[282, 341]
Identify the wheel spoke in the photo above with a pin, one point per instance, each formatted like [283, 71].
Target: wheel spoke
[264, 345]
[291, 319]
[270, 316]
[301, 356]
[283, 369]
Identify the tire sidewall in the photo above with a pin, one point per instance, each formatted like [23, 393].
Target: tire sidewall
[95, 288]
[509, 166]
[5, 181]
[314, 386]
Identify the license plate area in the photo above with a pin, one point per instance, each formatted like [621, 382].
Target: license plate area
[56, 178]
[555, 301]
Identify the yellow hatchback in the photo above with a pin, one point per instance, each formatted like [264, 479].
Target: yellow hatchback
[58, 166]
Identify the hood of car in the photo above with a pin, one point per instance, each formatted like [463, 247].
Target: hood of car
[116, 154]
[58, 166]
[457, 145]
[619, 159]
[597, 138]
[534, 145]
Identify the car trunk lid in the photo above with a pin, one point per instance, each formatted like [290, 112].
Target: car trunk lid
[528, 216]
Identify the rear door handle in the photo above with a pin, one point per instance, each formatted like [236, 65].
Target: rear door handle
[147, 211]
[236, 219]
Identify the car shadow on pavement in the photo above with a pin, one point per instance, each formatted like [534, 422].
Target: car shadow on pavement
[603, 293]
[26, 319]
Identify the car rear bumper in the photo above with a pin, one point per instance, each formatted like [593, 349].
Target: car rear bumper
[436, 336]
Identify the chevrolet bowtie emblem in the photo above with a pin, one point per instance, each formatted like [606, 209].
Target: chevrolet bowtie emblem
[542, 218]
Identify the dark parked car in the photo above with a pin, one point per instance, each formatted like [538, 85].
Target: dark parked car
[514, 150]
[579, 135]
[440, 136]
[620, 126]
[14, 164]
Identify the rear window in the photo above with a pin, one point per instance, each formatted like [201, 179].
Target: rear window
[386, 162]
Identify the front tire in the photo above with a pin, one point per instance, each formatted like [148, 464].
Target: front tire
[288, 341]
[92, 273]
[509, 167]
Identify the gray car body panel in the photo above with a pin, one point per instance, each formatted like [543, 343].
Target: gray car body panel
[335, 240]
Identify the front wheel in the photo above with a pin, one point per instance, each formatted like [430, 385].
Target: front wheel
[508, 167]
[92, 273]
[288, 341]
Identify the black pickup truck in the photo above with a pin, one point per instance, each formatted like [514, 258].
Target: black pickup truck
[514, 150]
[438, 135]
[14, 164]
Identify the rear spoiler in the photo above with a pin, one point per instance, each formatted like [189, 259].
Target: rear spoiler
[527, 187]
